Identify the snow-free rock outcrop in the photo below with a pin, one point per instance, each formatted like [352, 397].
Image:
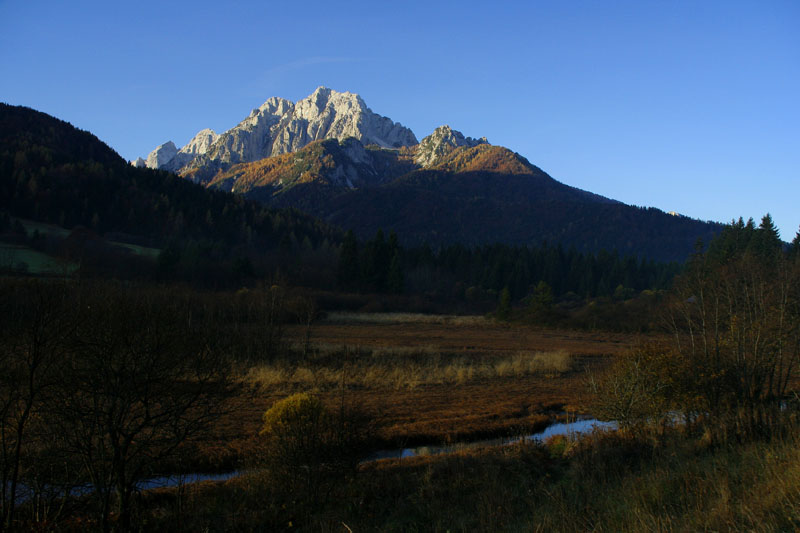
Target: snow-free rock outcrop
[441, 142]
[162, 155]
[201, 142]
[279, 126]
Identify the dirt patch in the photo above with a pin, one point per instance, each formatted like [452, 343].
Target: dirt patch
[483, 338]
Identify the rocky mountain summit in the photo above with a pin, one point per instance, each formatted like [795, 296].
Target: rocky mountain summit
[441, 142]
[280, 126]
[168, 157]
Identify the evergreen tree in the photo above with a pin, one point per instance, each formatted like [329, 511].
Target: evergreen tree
[769, 228]
[396, 281]
[794, 250]
[541, 299]
[503, 311]
[348, 272]
[765, 242]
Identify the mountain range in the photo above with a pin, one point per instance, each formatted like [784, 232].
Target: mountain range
[334, 158]
[69, 202]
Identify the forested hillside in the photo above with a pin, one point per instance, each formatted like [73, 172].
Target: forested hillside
[52, 172]
[439, 222]
[473, 196]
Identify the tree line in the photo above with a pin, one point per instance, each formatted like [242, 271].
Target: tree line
[384, 266]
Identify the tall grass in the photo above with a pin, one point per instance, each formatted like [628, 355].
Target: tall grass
[677, 487]
[526, 363]
[400, 368]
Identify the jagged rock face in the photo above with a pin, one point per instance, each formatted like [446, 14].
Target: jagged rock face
[199, 145]
[139, 163]
[162, 155]
[201, 142]
[441, 142]
[329, 114]
[250, 139]
[280, 126]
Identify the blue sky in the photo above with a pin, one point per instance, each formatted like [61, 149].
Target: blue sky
[686, 106]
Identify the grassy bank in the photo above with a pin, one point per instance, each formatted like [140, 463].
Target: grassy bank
[606, 482]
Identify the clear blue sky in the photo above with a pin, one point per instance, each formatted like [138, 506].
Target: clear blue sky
[688, 106]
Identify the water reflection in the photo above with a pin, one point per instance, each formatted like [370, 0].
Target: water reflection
[176, 480]
[577, 427]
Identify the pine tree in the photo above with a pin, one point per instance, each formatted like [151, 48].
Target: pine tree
[348, 273]
[766, 241]
[541, 300]
[770, 230]
[395, 279]
[503, 311]
[376, 262]
[794, 250]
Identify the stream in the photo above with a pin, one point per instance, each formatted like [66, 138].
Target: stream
[578, 427]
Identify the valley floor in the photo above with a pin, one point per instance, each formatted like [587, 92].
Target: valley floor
[426, 379]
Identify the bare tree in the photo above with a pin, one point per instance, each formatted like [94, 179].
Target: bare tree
[145, 376]
[34, 339]
[734, 317]
[635, 391]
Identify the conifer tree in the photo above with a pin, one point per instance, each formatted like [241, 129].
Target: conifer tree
[376, 262]
[348, 273]
[504, 305]
[795, 248]
[395, 278]
[541, 300]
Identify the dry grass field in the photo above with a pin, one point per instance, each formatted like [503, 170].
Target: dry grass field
[428, 379]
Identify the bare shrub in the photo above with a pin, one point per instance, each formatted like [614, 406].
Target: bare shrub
[635, 391]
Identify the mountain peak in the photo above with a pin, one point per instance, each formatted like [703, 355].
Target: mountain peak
[162, 155]
[323, 92]
[322, 89]
[279, 126]
[274, 105]
[201, 142]
[441, 142]
[324, 101]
